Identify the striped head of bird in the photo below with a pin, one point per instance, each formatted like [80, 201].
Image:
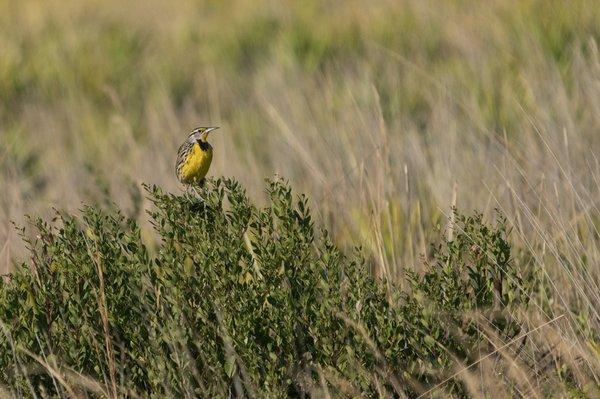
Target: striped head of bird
[200, 134]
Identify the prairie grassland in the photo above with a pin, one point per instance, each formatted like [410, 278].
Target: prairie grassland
[386, 113]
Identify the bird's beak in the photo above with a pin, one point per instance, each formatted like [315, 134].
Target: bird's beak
[208, 130]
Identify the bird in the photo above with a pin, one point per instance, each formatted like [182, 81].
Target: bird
[194, 157]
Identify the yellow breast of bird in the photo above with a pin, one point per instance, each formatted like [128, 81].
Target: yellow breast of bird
[197, 163]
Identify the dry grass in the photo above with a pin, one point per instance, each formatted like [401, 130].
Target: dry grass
[385, 113]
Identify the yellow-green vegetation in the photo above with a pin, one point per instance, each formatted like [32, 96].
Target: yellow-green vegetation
[252, 301]
[385, 113]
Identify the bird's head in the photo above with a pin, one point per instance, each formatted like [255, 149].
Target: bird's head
[200, 134]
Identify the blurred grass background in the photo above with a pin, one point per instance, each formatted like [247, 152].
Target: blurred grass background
[387, 113]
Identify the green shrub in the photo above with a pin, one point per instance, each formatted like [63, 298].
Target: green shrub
[240, 298]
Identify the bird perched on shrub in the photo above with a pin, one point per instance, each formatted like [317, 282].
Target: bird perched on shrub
[194, 157]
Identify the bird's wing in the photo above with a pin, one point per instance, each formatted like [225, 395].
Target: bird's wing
[181, 153]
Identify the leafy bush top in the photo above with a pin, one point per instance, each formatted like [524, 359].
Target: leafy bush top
[236, 298]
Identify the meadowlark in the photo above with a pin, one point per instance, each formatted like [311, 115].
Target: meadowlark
[194, 157]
